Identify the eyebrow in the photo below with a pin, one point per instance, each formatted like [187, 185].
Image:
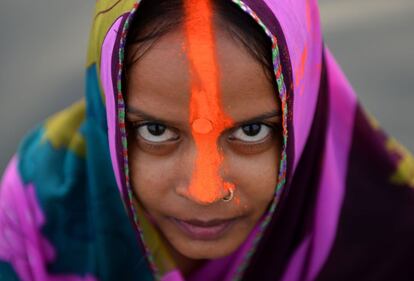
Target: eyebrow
[144, 115]
[259, 118]
[256, 119]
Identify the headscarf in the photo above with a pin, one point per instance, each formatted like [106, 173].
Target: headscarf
[343, 207]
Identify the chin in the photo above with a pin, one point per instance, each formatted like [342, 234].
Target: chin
[206, 250]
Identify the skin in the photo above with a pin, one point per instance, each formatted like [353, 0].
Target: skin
[159, 92]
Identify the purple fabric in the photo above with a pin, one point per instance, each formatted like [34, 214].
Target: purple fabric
[108, 82]
[174, 275]
[300, 24]
[331, 194]
[295, 269]
[21, 241]
[332, 186]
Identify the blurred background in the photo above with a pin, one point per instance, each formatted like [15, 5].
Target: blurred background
[43, 47]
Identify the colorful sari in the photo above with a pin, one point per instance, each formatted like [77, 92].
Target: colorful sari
[343, 207]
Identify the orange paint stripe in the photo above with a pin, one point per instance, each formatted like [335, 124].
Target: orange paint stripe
[300, 70]
[207, 118]
[308, 16]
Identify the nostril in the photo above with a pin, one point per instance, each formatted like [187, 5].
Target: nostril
[204, 198]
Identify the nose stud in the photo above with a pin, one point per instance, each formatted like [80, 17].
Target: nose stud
[229, 196]
[202, 126]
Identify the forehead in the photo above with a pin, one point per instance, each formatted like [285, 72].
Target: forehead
[159, 82]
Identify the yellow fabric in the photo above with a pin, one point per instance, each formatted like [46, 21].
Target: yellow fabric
[62, 129]
[404, 175]
[105, 14]
[156, 244]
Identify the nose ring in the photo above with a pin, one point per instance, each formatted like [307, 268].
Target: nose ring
[230, 196]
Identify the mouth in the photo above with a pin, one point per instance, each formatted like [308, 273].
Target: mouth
[204, 230]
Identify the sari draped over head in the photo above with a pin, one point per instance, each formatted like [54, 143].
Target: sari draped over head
[343, 206]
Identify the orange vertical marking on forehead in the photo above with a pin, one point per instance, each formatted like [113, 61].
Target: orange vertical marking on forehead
[207, 118]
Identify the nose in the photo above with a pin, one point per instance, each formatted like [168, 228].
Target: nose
[196, 198]
[201, 180]
[206, 185]
[205, 197]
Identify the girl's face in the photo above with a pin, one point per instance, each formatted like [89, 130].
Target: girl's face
[162, 151]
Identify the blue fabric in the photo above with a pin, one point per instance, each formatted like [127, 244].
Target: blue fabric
[86, 221]
[7, 273]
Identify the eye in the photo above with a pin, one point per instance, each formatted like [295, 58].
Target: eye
[255, 132]
[156, 133]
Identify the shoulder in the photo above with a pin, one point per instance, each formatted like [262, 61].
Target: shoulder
[60, 210]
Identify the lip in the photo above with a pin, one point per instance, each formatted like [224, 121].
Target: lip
[204, 230]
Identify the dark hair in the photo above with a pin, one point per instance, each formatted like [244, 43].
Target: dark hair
[154, 18]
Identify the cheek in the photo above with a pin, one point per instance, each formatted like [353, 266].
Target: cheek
[151, 177]
[256, 177]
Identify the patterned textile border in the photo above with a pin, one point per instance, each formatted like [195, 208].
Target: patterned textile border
[277, 67]
[122, 127]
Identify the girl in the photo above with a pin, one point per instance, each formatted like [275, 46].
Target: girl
[218, 140]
